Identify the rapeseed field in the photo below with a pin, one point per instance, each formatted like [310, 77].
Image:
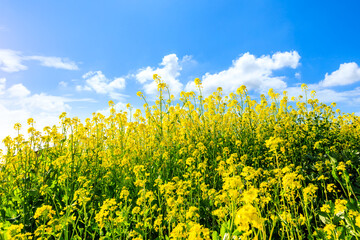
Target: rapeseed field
[215, 167]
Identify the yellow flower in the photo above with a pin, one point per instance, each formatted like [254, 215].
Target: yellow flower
[82, 196]
[124, 193]
[192, 213]
[330, 187]
[197, 82]
[291, 181]
[340, 205]
[176, 164]
[313, 93]
[357, 220]
[17, 126]
[271, 93]
[322, 177]
[325, 208]
[106, 212]
[250, 195]
[304, 87]
[156, 77]
[241, 90]
[302, 219]
[14, 230]
[136, 210]
[220, 213]
[30, 121]
[247, 215]
[198, 232]
[309, 192]
[179, 232]
[341, 166]
[329, 229]
[273, 143]
[45, 212]
[111, 103]
[157, 222]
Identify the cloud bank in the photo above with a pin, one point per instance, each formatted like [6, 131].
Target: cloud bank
[13, 61]
[256, 73]
[169, 71]
[17, 104]
[96, 81]
[348, 73]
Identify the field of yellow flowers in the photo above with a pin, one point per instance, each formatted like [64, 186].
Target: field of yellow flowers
[220, 167]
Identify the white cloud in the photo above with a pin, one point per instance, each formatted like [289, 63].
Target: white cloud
[54, 62]
[255, 73]
[347, 74]
[12, 61]
[120, 106]
[283, 59]
[47, 103]
[2, 85]
[18, 91]
[169, 71]
[98, 82]
[327, 95]
[63, 84]
[17, 104]
[82, 88]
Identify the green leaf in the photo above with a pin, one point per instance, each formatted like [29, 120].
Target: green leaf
[223, 229]
[236, 233]
[9, 213]
[139, 231]
[338, 217]
[215, 235]
[324, 218]
[354, 233]
[342, 232]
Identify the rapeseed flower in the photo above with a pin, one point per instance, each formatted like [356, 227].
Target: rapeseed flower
[182, 168]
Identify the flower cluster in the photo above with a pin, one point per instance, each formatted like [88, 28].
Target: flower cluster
[215, 167]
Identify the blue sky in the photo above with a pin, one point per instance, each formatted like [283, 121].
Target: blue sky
[75, 56]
